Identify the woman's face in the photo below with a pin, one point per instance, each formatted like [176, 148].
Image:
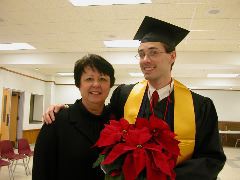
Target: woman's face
[94, 87]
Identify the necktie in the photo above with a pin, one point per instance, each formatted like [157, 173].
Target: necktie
[154, 99]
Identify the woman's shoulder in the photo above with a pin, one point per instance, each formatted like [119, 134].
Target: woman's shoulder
[63, 114]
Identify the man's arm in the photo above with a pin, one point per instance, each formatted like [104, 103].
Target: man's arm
[208, 158]
[49, 116]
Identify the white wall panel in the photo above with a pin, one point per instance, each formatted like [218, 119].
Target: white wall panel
[227, 103]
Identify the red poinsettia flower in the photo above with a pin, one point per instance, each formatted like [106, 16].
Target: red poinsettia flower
[162, 135]
[160, 131]
[134, 145]
[148, 145]
[113, 133]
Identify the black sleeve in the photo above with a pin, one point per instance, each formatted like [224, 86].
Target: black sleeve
[45, 154]
[119, 98]
[114, 105]
[208, 157]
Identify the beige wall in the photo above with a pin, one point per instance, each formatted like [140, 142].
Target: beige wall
[227, 102]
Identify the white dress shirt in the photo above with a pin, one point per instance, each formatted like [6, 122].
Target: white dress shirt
[163, 92]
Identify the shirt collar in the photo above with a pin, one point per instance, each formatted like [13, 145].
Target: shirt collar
[163, 92]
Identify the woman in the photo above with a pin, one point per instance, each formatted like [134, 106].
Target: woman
[64, 149]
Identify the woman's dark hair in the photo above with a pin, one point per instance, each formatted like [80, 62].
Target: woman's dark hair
[95, 62]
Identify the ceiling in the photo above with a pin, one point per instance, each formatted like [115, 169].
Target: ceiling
[56, 26]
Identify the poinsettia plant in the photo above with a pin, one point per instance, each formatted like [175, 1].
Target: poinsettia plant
[144, 150]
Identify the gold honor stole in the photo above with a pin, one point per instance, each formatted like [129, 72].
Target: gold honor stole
[184, 116]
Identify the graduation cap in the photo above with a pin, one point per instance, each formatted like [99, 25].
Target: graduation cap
[155, 30]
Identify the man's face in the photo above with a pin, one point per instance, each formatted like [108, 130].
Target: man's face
[155, 62]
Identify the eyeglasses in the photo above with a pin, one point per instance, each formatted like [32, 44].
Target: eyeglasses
[152, 54]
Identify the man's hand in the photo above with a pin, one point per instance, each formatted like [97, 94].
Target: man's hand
[48, 117]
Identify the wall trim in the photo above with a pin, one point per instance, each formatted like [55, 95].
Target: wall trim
[62, 84]
[25, 75]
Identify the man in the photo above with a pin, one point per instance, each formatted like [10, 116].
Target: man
[191, 116]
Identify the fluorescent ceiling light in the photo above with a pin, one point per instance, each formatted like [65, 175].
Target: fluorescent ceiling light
[65, 74]
[136, 74]
[15, 46]
[106, 2]
[121, 43]
[223, 75]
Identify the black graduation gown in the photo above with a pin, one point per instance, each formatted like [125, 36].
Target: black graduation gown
[64, 149]
[208, 157]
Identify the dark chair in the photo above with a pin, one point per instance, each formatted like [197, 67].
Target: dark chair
[8, 164]
[24, 149]
[7, 152]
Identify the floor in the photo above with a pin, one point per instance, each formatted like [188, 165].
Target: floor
[229, 172]
[232, 167]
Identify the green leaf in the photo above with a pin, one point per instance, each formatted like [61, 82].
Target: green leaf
[117, 164]
[99, 160]
[108, 177]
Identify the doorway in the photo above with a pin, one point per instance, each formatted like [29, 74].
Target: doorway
[14, 117]
[12, 113]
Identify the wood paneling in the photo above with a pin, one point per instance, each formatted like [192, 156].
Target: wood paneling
[229, 139]
[229, 125]
[31, 135]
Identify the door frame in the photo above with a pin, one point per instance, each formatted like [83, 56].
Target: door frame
[5, 123]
